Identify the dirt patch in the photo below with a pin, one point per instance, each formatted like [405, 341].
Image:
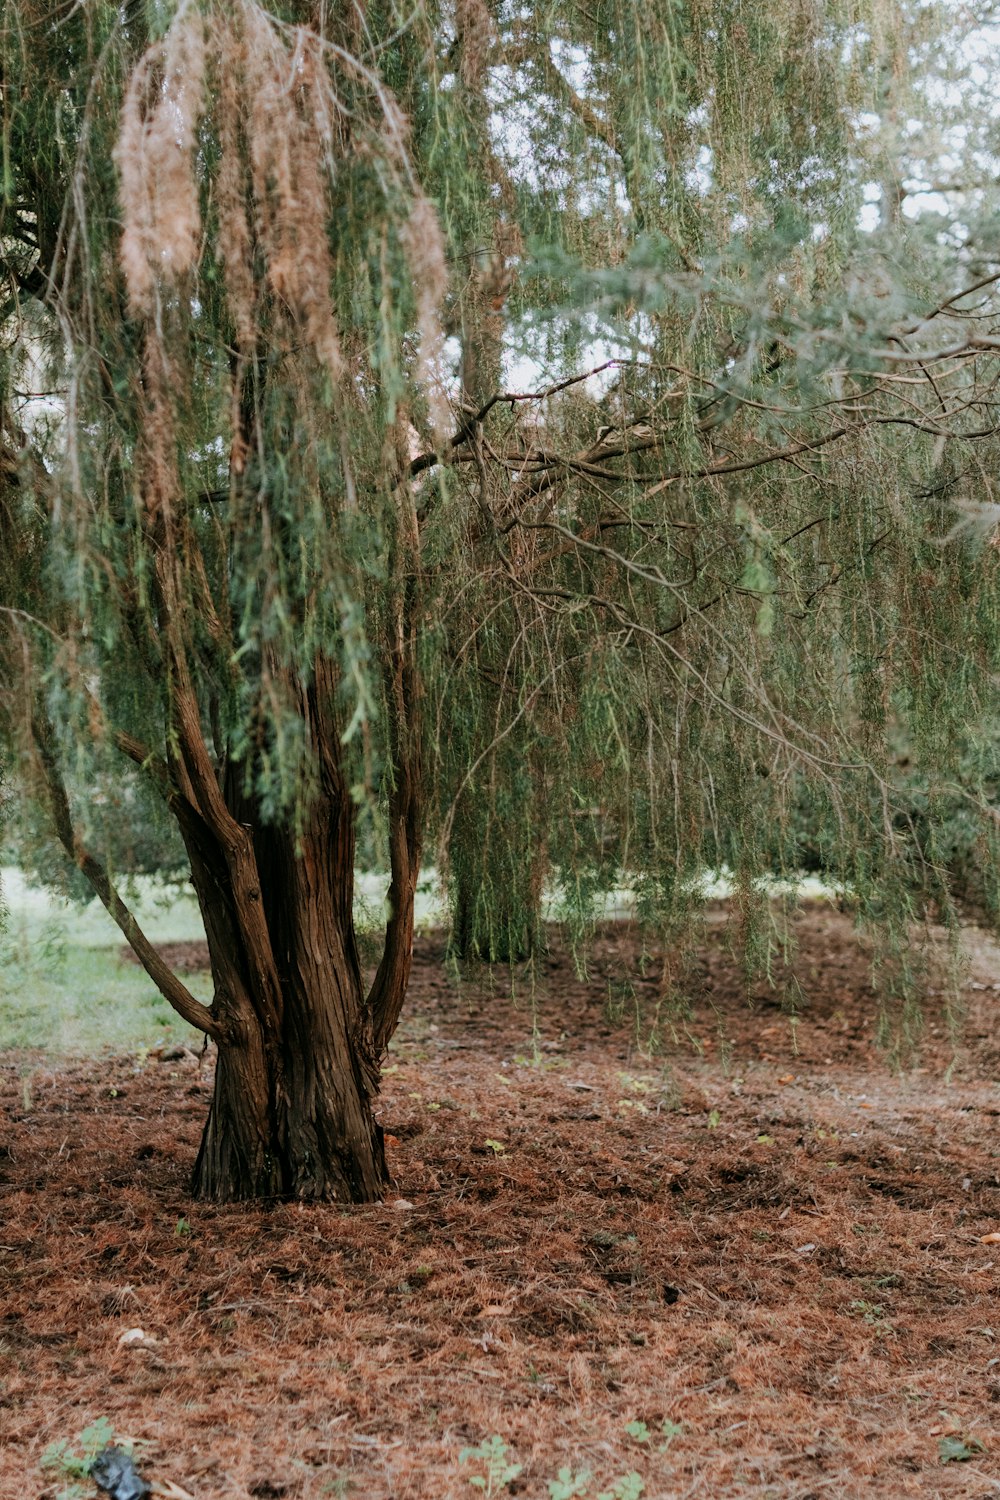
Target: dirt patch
[762, 1237]
[183, 958]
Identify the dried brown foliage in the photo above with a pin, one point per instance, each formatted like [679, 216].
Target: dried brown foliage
[477, 34]
[285, 133]
[155, 160]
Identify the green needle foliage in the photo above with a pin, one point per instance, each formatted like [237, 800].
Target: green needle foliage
[312, 519]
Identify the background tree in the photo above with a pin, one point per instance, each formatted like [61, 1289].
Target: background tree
[327, 521]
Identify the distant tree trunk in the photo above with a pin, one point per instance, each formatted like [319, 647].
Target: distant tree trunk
[495, 881]
[499, 924]
[507, 936]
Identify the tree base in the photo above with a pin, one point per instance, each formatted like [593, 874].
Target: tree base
[320, 1145]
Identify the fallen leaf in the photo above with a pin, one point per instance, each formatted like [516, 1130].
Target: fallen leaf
[990, 1239]
[958, 1450]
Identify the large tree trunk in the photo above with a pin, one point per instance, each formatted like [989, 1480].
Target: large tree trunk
[292, 1109]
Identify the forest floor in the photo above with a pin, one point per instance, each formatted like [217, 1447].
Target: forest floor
[752, 1265]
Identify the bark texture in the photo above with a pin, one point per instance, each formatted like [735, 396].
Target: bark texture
[299, 1043]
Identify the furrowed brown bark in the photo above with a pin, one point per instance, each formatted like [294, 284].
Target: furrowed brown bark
[293, 1117]
[298, 1066]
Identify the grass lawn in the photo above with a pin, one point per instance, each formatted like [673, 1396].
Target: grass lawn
[64, 988]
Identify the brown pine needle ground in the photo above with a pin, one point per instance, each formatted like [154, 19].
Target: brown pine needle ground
[781, 1257]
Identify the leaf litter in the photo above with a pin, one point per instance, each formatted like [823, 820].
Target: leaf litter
[672, 1270]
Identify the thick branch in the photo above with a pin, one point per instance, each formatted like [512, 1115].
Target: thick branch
[190, 764]
[170, 987]
[388, 991]
[504, 398]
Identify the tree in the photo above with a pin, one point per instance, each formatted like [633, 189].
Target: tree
[301, 541]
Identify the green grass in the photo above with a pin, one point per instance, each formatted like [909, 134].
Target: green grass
[164, 915]
[64, 989]
[90, 1001]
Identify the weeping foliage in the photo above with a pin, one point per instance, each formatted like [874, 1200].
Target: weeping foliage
[315, 288]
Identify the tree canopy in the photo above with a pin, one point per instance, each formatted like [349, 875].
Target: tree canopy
[498, 429]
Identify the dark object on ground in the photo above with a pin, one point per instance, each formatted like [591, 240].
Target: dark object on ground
[114, 1472]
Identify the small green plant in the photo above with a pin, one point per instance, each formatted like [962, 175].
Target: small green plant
[635, 1085]
[492, 1452]
[74, 1460]
[629, 1487]
[567, 1485]
[958, 1450]
[670, 1430]
[873, 1313]
[637, 1430]
[182, 1229]
[570, 1486]
[497, 1147]
[338, 1487]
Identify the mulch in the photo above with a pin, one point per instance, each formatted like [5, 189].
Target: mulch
[760, 1235]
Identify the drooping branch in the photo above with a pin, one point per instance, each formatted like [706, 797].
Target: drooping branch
[388, 991]
[170, 987]
[228, 848]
